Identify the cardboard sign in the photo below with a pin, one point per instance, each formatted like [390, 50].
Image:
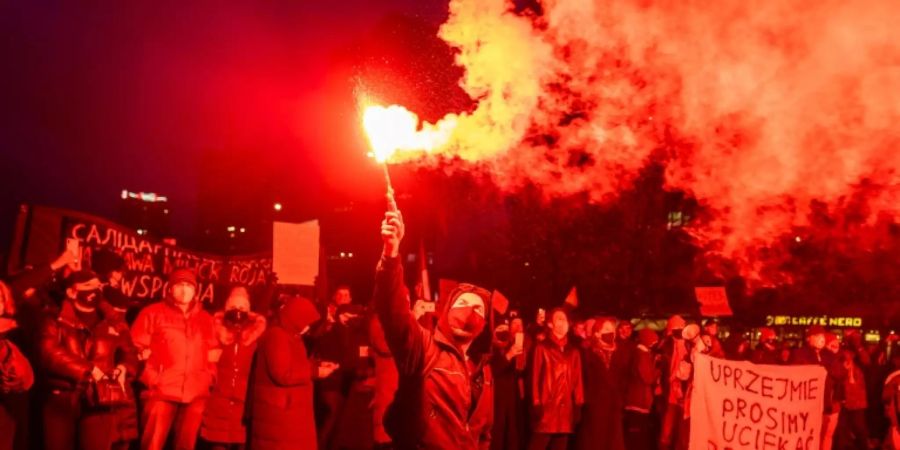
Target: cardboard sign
[736, 404]
[295, 252]
[713, 301]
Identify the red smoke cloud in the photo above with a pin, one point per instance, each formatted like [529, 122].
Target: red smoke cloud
[758, 109]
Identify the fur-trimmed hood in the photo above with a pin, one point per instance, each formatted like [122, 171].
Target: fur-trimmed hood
[249, 335]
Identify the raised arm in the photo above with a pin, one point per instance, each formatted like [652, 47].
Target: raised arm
[404, 336]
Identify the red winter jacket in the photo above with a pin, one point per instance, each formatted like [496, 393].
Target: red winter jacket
[557, 388]
[178, 368]
[434, 408]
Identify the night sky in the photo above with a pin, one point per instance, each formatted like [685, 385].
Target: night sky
[136, 95]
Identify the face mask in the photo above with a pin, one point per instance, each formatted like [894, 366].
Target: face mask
[88, 299]
[465, 322]
[235, 318]
[676, 333]
[608, 338]
[186, 294]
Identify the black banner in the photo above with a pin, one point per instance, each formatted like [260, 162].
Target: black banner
[148, 262]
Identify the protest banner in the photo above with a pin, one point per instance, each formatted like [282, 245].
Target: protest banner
[740, 405]
[147, 262]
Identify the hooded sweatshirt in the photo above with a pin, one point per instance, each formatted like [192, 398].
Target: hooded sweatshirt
[444, 399]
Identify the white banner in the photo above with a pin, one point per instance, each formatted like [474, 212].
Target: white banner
[739, 405]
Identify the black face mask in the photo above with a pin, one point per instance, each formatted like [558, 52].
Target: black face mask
[89, 299]
[502, 336]
[236, 319]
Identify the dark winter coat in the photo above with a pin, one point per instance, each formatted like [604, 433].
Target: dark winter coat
[282, 399]
[444, 400]
[386, 379]
[557, 391]
[70, 350]
[640, 381]
[223, 418]
[763, 355]
[509, 405]
[126, 421]
[601, 424]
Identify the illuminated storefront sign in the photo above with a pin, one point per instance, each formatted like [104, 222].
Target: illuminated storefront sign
[825, 321]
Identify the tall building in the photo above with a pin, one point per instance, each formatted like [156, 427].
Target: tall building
[146, 212]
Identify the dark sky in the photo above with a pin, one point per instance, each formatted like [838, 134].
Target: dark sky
[97, 98]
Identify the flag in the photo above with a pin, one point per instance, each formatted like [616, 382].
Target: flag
[572, 298]
[444, 289]
[423, 272]
[500, 302]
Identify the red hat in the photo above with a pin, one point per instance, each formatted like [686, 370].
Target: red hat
[182, 275]
[297, 313]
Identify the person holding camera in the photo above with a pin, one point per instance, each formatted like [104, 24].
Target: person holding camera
[86, 362]
[238, 329]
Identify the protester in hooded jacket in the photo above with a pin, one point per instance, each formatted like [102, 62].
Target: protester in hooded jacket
[556, 385]
[641, 381]
[16, 376]
[445, 396]
[282, 397]
[605, 371]
[508, 367]
[237, 330]
[176, 339]
[80, 346]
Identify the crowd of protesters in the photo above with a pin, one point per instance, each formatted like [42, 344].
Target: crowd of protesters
[82, 367]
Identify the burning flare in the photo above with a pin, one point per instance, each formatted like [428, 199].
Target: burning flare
[395, 129]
